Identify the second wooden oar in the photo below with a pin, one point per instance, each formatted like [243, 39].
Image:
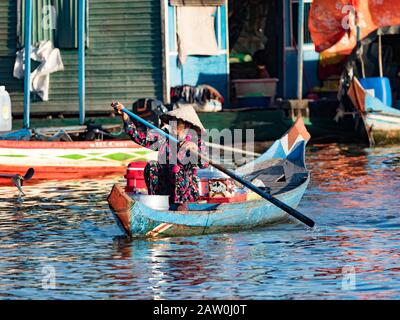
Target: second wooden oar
[293, 212]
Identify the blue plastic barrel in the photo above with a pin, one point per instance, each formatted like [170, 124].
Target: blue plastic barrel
[381, 87]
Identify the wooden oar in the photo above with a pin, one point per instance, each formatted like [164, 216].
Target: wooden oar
[18, 180]
[293, 212]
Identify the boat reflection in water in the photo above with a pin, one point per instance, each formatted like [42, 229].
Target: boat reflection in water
[173, 264]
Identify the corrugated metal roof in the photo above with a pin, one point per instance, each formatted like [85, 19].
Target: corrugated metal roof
[8, 22]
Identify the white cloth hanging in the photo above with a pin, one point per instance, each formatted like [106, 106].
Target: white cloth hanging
[51, 62]
[196, 32]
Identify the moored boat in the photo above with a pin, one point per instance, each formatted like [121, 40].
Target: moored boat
[382, 121]
[281, 170]
[69, 160]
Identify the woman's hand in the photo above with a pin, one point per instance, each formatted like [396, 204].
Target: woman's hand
[118, 107]
[187, 146]
[188, 152]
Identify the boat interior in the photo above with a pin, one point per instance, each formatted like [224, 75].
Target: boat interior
[274, 176]
[277, 175]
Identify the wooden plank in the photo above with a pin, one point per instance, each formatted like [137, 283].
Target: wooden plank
[75, 129]
[197, 3]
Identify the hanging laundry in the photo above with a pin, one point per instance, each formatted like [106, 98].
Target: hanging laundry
[51, 62]
[196, 32]
[204, 98]
[190, 94]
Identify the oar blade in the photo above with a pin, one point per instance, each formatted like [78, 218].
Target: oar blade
[293, 212]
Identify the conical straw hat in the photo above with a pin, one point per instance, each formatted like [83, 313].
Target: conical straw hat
[186, 113]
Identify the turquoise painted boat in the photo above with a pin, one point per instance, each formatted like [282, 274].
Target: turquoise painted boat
[382, 121]
[281, 170]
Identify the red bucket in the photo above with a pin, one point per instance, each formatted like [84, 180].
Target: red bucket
[203, 187]
[135, 177]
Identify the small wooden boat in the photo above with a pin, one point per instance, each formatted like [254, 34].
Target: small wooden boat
[382, 121]
[66, 160]
[281, 170]
[70, 159]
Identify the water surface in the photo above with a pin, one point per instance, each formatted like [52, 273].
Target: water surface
[64, 231]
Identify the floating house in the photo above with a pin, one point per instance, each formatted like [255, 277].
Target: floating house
[130, 49]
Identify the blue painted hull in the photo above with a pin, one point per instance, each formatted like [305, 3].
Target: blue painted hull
[381, 120]
[208, 218]
[224, 217]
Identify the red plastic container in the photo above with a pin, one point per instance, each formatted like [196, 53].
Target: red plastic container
[203, 187]
[135, 177]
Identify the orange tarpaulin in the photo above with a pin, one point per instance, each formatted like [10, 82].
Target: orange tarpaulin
[332, 23]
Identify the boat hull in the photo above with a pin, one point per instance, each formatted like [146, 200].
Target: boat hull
[385, 128]
[136, 220]
[69, 160]
[382, 121]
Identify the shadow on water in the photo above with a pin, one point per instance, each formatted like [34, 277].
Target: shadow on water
[63, 231]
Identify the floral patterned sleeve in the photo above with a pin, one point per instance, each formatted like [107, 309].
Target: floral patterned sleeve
[142, 136]
[202, 150]
[184, 156]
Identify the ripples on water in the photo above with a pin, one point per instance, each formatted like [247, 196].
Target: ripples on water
[353, 197]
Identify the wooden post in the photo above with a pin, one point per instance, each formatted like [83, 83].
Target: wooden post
[380, 56]
[81, 53]
[300, 42]
[27, 76]
[368, 129]
[165, 38]
[361, 51]
[359, 45]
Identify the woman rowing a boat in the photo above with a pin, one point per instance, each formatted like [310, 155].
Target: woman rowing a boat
[174, 174]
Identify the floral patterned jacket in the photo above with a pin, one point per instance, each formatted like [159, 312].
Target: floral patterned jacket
[180, 173]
